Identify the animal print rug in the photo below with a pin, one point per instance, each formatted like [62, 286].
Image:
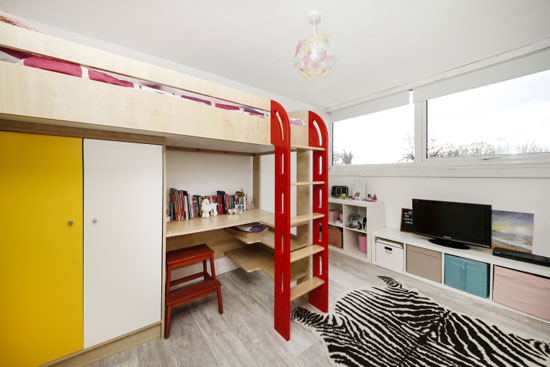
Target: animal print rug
[394, 326]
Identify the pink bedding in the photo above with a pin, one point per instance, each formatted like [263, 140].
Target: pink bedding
[80, 71]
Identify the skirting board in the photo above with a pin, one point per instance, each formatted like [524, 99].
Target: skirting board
[104, 350]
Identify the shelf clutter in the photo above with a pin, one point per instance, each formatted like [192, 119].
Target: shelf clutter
[183, 206]
[351, 225]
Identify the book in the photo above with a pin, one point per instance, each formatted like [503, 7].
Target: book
[183, 206]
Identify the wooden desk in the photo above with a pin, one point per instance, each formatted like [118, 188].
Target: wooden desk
[196, 225]
[257, 256]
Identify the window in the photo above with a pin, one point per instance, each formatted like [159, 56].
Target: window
[510, 117]
[380, 137]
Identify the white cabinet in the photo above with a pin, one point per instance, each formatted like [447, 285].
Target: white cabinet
[373, 213]
[122, 238]
[389, 254]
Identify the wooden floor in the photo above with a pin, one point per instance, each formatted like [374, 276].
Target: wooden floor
[244, 335]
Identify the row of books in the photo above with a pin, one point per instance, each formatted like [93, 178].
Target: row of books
[184, 206]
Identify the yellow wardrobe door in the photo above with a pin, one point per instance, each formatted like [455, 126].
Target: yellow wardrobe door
[41, 248]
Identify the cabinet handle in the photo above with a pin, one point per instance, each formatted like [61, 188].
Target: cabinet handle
[94, 220]
[70, 221]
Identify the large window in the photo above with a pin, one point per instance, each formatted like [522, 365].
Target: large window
[380, 137]
[510, 117]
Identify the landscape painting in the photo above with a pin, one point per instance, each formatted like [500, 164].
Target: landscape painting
[513, 230]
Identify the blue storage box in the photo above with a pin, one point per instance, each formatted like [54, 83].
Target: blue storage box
[467, 275]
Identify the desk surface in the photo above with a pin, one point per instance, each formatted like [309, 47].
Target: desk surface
[195, 225]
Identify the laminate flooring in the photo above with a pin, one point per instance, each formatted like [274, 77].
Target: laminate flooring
[244, 334]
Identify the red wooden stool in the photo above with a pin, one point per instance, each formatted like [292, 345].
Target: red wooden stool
[186, 256]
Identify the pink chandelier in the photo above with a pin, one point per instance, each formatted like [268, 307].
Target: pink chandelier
[312, 58]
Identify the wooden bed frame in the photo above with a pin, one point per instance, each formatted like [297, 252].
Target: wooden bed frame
[35, 100]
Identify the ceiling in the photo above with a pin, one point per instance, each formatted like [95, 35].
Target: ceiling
[378, 44]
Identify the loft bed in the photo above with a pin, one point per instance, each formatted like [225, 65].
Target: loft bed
[47, 81]
[122, 94]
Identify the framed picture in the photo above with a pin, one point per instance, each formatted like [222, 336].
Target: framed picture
[513, 230]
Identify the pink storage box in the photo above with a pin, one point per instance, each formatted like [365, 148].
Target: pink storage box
[363, 243]
[522, 291]
[334, 216]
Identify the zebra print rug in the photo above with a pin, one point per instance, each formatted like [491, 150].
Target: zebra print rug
[394, 326]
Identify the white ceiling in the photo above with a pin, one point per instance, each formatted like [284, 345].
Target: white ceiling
[379, 44]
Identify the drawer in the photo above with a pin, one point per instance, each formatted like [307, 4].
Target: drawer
[522, 291]
[467, 275]
[424, 263]
[389, 255]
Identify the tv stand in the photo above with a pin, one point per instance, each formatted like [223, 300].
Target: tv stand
[419, 258]
[448, 243]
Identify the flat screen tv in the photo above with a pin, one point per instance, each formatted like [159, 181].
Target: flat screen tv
[453, 224]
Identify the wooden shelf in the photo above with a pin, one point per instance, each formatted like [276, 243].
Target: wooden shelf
[195, 225]
[339, 225]
[305, 183]
[253, 258]
[246, 237]
[264, 237]
[356, 230]
[354, 202]
[305, 252]
[305, 147]
[305, 287]
[294, 221]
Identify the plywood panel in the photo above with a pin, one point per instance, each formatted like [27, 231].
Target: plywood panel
[299, 135]
[43, 96]
[122, 238]
[43, 44]
[40, 251]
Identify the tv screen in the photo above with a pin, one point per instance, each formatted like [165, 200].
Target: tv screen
[453, 223]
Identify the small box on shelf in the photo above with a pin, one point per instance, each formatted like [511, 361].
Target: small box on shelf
[363, 243]
[335, 237]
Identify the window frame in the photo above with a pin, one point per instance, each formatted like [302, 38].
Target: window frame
[526, 165]
[331, 140]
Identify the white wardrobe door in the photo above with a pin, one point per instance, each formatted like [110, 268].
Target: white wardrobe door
[122, 238]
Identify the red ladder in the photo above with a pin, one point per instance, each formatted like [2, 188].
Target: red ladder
[317, 287]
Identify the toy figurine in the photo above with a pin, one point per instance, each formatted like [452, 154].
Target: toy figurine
[208, 209]
[371, 198]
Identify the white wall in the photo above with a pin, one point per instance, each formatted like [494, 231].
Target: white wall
[205, 173]
[513, 194]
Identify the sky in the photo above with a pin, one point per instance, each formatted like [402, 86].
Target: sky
[505, 114]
